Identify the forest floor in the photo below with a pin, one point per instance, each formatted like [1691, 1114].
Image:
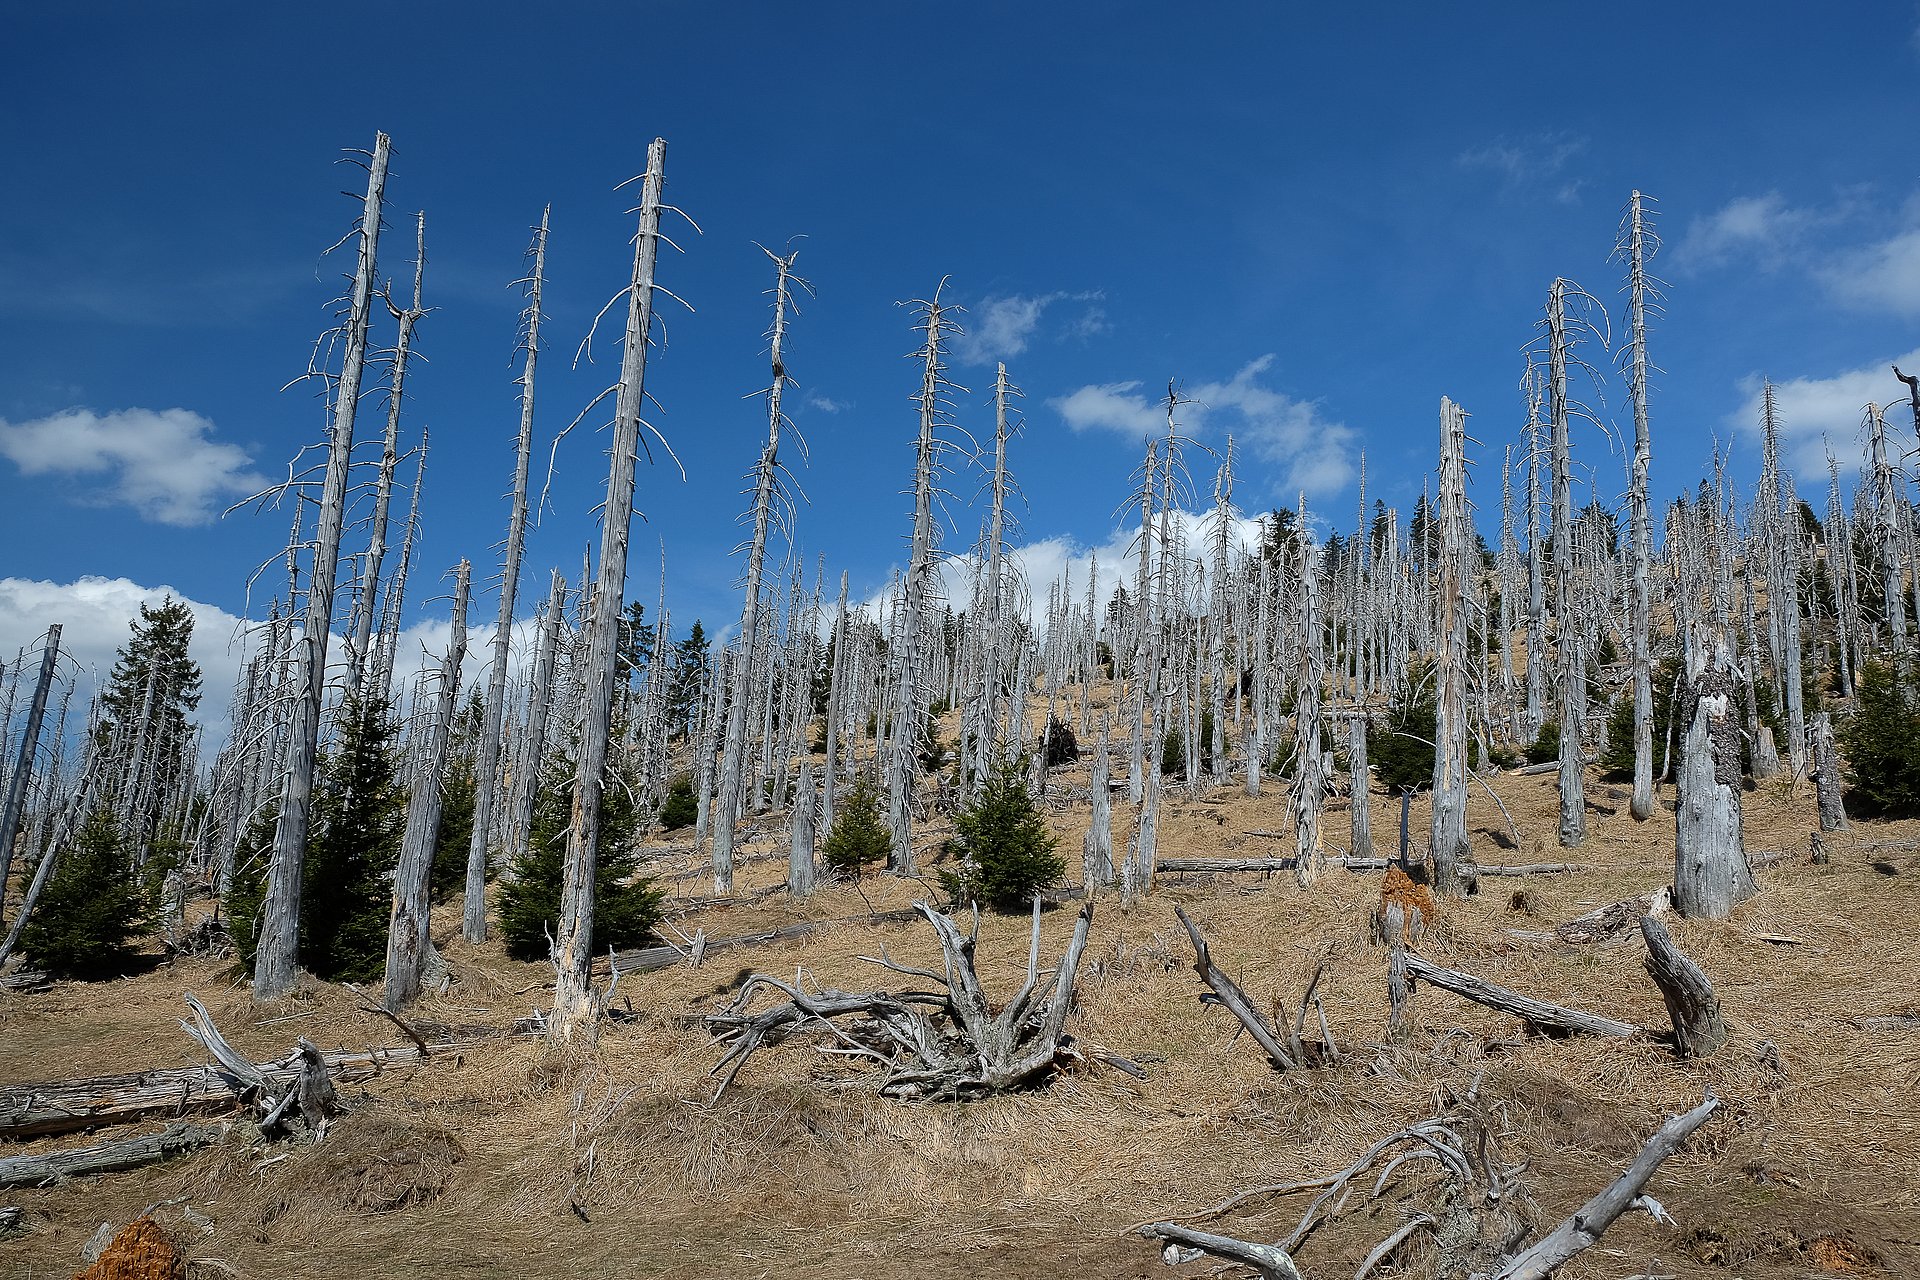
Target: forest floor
[500, 1160]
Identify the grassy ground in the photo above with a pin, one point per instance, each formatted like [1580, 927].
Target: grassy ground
[504, 1161]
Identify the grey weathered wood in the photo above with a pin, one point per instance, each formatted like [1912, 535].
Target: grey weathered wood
[412, 913]
[1228, 994]
[1638, 244]
[1698, 1028]
[55, 1167]
[1270, 1262]
[800, 868]
[16, 801]
[1096, 847]
[576, 1005]
[1447, 847]
[277, 956]
[1536, 1013]
[1828, 779]
[1570, 674]
[486, 769]
[1360, 783]
[1590, 1221]
[1711, 875]
[1399, 988]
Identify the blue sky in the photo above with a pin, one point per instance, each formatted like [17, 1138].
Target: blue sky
[1318, 220]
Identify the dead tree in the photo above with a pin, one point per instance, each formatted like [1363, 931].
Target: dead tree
[407, 939]
[1637, 244]
[487, 765]
[576, 1005]
[1448, 851]
[1710, 871]
[1698, 1028]
[533, 742]
[16, 801]
[1360, 788]
[1570, 672]
[800, 870]
[944, 1044]
[1309, 779]
[766, 496]
[277, 956]
[1827, 776]
[1096, 849]
[1886, 522]
[1280, 1041]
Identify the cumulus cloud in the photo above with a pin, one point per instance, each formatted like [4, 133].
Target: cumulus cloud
[1111, 406]
[1001, 327]
[1885, 275]
[1534, 163]
[1762, 227]
[1879, 272]
[163, 463]
[1813, 413]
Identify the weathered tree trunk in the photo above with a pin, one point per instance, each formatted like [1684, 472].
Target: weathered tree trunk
[1096, 848]
[836, 706]
[107, 1157]
[1698, 1028]
[1570, 673]
[1827, 776]
[1360, 784]
[487, 765]
[407, 937]
[277, 956]
[800, 870]
[526, 783]
[1710, 871]
[1447, 849]
[16, 802]
[576, 1006]
[1534, 1012]
[1639, 246]
[1310, 783]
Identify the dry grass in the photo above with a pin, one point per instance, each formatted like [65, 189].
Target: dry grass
[502, 1161]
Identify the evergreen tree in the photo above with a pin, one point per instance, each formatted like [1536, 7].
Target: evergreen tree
[1400, 748]
[1883, 768]
[143, 734]
[624, 914]
[247, 892]
[92, 908]
[1010, 854]
[451, 838]
[359, 815]
[859, 833]
[689, 679]
[681, 808]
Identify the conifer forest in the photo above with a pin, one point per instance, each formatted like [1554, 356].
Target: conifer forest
[1514, 881]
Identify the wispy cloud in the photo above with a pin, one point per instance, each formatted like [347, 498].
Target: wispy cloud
[1815, 413]
[1885, 274]
[1000, 327]
[1861, 256]
[1534, 163]
[1762, 228]
[1111, 406]
[164, 463]
[826, 404]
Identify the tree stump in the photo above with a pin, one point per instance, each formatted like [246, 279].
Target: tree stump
[1827, 777]
[1698, 1028]
[1710, 871]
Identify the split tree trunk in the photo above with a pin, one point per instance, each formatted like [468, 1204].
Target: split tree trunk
[1710, 872]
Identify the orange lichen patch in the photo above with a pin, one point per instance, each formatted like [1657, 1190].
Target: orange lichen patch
[1397, 889]
[1839, 1257]
[142, 1251]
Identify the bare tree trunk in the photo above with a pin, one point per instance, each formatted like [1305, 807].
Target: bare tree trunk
[1570, 674]
[1698, 1028]
[407, 937]
[1447, 850]
[800, 873]
[1096, 848]
[23, 770]
[576, 1006]
[487, 765]
[766, 476]
[539, 707]
[1639, 246]
[275, 961]
[1310, 783]
[1710, 872]
[1827, 777]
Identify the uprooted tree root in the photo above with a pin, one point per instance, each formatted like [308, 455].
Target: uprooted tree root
[1467, 1217]
[941, 1044]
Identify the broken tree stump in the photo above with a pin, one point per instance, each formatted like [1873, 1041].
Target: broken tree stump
[1826, 773]
[1698, 1028]
[1224, 991]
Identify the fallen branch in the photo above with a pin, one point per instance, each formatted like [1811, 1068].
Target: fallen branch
[1227, 993]
[1587, 1223]
[1536, 1013]
[106, 1157]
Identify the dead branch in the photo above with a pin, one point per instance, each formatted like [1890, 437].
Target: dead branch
[106, 1157]
[1537, 1013]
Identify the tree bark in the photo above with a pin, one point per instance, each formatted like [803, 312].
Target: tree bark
[1710, 875]
[1534, 1012]
[1827, 776]
[1698, 1028]
[16, 801]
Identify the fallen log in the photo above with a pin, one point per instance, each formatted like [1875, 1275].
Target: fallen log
[1587, 1223]
[1228, 865]
[1536, 1013]
[25, 981]
[106, 1157]
[1528, 869]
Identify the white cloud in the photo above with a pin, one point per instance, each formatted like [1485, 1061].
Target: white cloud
[1813, 413]
[1317, 453]
[163, 463]
[1762, 227]
[1531, 162]
[1000, 328]
[1886, 274]
[1111, 406]
[827, 404]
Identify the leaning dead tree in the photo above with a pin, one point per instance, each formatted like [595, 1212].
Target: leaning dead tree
[408, 943]
[576, 1005]
[16, 797]
[277, 957]
[948, 1043]
[486, 769]
[1281, 1041]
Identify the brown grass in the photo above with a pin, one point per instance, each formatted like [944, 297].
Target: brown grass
[502, 1161]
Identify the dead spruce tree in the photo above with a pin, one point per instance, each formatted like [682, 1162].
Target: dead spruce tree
[486, 769]
[360, 626]
[1710, 871]
[1448, 851]
[407, 939]
[1638, 243]
[1309, 778]
[276, 958]
[22, 775]
[908, 715]
[769, 502]
[576, 1005]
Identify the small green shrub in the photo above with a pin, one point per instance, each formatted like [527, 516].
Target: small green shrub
[859, 833]
[1546, 747]
[624, 914]
[1883, 767]
[1010, 854]
[681, 808]
[1400, 744]
[92, 908]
